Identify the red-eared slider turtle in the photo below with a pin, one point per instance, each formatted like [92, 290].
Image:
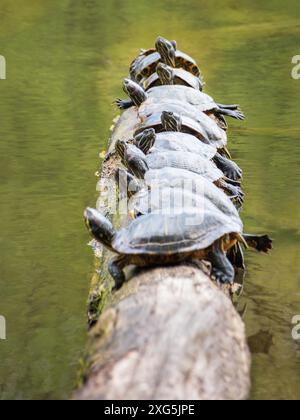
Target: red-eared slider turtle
[151, 142]
[190, 190]
[166, 75]
[177, 196]
[183, 94]
[139, 164]
[169, 121]
[165, 51]
[155, 239]
[175, 200]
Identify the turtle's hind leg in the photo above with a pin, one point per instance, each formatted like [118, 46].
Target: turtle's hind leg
[236, 256]
[222, 269]
[228, 167]
[232, 107]
[262, 243]
[124, 103]
[234, 191]
[115, 269]
[238, 115]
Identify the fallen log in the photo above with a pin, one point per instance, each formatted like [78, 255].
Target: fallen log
[169, 333]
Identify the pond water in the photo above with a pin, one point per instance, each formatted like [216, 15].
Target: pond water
[65, 62]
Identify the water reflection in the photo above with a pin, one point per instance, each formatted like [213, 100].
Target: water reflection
[65, 63]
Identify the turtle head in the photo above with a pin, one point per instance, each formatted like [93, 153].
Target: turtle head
[135, 92]
[128, 184]
[99, 227]
[145, 140]
[165, 74]
[121, 149]
[136, 162]
[167, 51]
[171, 121]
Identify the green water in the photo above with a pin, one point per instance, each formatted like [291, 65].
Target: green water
[65, 63]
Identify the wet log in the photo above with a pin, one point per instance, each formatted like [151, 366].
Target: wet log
[169, 333]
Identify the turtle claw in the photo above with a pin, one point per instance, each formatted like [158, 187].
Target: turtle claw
[239, 195]
[108, 156]
[264, 243]
[230, 169]
[222, 270]
[233, 172]
[220, 277]
[239, 115]
[123, 103]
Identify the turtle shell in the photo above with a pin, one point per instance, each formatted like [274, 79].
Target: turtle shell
[203, 127]
[188, 161]
[182, 142]
[184, 94]
[145, 64]
[167, 199]
[189, 231]
[181, 178]
[182, 77]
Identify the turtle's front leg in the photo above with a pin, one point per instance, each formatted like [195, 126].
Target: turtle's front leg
[228, 167]
[124, 103]
[222, 269]
[262, 243]
[115, 269]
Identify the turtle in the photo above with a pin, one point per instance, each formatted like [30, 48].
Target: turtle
[174, 200]
[169, 121]
[139, 164]
[160, 240]
[166, 51]
[171, 198]
[170, 190]
[151, 142]
[166, 75]
[174, 178]
[183, 94]
[171, 177]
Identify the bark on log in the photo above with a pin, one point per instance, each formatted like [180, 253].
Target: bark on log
[169, 333]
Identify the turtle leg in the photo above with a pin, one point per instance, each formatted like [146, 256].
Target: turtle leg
[236, 256]
[124, 103]
[115, 269]
[234, 192]
[238, 115]
[222, 269]
[262, 243]
[228, 167]
[232, 107]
